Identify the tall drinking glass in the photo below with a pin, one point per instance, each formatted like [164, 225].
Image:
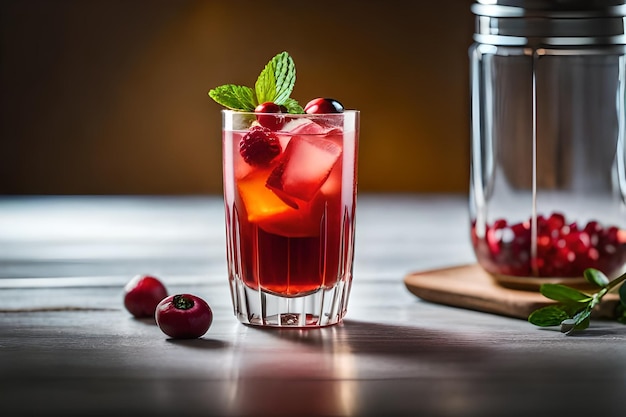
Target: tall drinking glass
[290, 200]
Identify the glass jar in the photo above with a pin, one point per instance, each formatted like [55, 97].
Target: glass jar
[547, 180]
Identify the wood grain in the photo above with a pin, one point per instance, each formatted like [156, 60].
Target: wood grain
[469, 286]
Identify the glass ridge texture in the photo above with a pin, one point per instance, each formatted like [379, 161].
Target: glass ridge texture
[547, 180]
[290, 221]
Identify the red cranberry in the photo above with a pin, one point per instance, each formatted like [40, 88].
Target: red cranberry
[269, 115]
[494, 235]
[593, 227]
[184, 316]
[142, 294]
[323, 106]
[556, 221]
[259, 146]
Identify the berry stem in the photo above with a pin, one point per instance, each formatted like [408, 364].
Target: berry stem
[182, 303]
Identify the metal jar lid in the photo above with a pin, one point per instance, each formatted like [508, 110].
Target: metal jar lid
[550, 22]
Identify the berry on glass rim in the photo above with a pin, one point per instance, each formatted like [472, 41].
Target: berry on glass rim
[273, 121]
[142, 294]
[323, 106]
[183, 316]
[259, 146]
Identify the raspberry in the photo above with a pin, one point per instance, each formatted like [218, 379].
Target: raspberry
[259, 146]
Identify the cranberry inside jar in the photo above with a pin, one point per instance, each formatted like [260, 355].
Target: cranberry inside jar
[561, 248]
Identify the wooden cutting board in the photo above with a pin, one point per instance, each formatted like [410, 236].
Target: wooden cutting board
[470, 287]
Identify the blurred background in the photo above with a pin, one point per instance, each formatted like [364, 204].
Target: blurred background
[110, 96]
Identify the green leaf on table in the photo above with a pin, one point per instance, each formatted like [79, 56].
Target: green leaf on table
[564, 293]
[575, 306]
[548, 316]
[593, 276]
[276, 81]
[579, 322]
[234, 97]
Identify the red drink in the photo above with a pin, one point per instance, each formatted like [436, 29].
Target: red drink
[290, 220]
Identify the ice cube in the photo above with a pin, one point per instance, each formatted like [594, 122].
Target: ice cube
[306, 126]
[295, 123]
[304, 167]
[332, 186]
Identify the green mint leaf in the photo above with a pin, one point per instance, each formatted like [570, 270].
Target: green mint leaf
[563, 293]
[274, 84]
[292, 106]
[622, 294]
[548, 316]
[593, 276]
[276, 81]
[265, 86]
[234, 97]
[285, 74]
[579, 322]
[568, 325]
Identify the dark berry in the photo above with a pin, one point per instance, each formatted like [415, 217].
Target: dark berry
[270, 115]
[142, 294]
[259, 146]
[183, 316]
[323, 106]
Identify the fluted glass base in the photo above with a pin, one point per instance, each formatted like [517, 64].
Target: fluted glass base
[324, 307]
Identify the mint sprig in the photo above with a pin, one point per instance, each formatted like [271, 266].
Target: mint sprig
[234, 97]
[275, 84]
[574, 307]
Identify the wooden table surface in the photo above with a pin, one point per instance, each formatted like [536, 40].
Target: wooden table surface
[68, 347]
